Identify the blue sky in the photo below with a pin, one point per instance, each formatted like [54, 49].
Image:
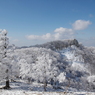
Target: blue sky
[30, 22]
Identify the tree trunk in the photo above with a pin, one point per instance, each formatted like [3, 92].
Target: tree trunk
[7, 86]
[45, 84]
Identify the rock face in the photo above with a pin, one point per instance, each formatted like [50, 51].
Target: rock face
[75, 42]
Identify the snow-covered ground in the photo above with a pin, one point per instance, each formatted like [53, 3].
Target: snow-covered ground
[24, 88]
[7, 92]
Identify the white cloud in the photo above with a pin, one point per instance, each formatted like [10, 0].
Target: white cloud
[47, 36]
[80, 24]
[37, 37]
[64, 30]
[61, 32]
[57, 36]
[32, 37]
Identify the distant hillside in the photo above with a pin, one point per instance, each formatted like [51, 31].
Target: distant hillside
[53, 45]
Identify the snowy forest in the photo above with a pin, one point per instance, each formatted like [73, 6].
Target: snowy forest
[59, 65]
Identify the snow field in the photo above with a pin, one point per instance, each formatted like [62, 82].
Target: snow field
[9, 92]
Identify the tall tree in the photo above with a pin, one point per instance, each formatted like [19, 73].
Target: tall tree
[4, 62]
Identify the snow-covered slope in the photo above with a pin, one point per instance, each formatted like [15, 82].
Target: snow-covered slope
[76, 61]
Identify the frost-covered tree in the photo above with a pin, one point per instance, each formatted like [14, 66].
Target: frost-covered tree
[45, 69]
[39, 64]
[24, 69]
[14, 67]
[4, 61]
